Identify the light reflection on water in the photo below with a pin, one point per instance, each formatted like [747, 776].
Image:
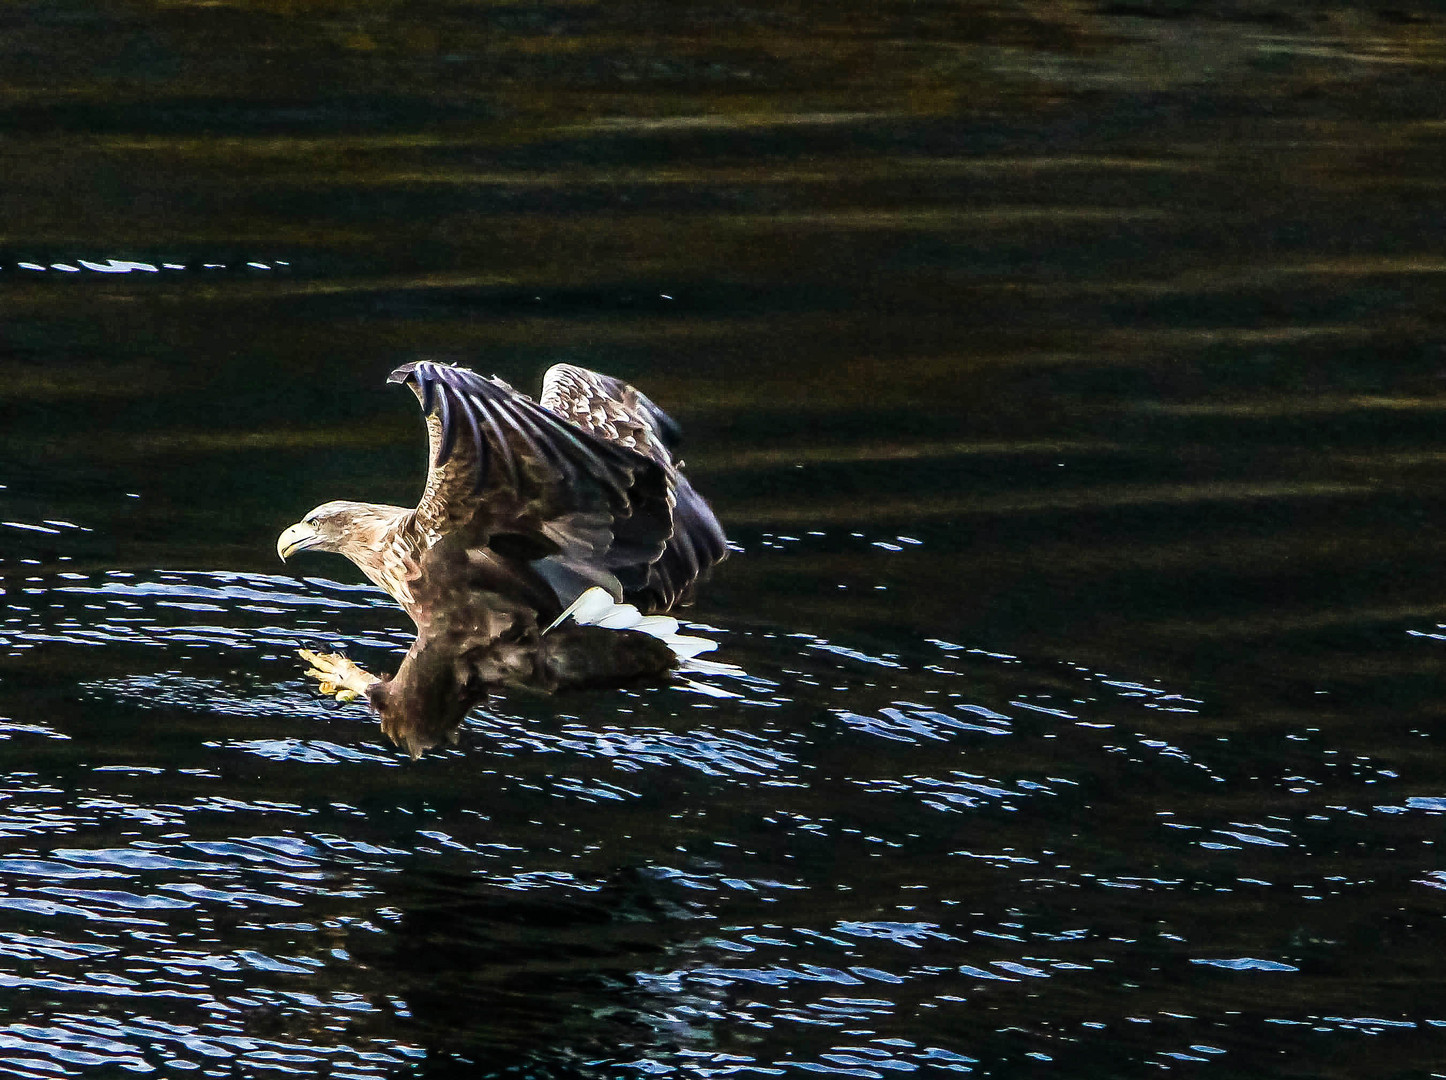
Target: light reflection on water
[930, 835]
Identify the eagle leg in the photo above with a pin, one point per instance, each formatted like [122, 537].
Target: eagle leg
[337, 675]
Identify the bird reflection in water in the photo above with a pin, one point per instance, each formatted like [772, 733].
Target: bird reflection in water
[493, 979]
[550, 541]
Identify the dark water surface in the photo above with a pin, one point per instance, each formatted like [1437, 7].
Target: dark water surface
[1069, 376]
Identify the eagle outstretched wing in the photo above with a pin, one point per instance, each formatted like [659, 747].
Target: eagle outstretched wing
[530, 485]
[624, 416]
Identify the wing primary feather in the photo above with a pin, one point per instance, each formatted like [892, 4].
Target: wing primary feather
[509, 416]
[674, 580]
[479, 443]
[547, 444]
[688, 550]
[449, 430]
[541, 429]
[503, 446]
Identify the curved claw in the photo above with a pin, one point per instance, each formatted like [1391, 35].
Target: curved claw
[336, 675]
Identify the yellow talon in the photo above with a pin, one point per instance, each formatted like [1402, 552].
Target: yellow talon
[336, 675]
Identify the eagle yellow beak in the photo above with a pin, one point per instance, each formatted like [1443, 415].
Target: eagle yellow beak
[297, 537]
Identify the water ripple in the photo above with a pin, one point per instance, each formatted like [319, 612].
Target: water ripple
[246, 870]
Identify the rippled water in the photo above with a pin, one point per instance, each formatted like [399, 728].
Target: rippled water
[1068, 379]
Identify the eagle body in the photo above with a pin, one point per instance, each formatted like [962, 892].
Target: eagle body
[528, 506]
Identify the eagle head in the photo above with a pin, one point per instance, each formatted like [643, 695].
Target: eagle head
[339, 526]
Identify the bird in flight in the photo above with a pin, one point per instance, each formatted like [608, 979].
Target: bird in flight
[550, 540]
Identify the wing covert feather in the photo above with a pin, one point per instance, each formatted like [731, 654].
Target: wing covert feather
[610, 409]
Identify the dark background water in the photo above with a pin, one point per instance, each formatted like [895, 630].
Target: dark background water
[1069, 377]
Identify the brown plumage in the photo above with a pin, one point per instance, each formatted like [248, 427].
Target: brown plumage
[527, 505]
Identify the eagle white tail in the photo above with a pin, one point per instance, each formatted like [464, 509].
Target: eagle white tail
[596, 608]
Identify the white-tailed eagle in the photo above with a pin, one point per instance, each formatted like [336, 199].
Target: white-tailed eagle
[545, 525]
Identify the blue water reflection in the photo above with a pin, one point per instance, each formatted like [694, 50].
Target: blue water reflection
[231, 880]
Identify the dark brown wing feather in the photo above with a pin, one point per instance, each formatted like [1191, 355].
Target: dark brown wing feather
[509, 476]
[614, 411]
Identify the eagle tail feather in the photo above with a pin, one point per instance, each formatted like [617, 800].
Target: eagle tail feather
[596, 608]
